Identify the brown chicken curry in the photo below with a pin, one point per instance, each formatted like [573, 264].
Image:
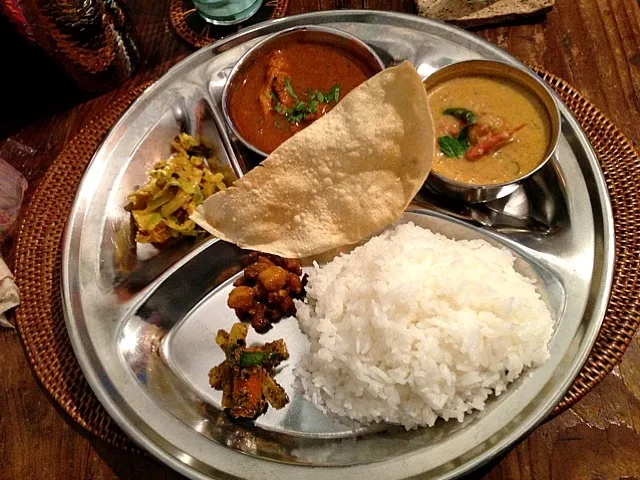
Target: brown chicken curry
[285, 90]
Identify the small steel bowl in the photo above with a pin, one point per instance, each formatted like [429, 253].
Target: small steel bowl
[478, 193]
[308, 33]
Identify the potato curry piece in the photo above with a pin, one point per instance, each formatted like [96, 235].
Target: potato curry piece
[175, 187]
[489, 130]
[245, 377]
[265, 292]
[285, 90]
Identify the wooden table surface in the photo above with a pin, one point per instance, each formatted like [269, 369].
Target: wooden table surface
[594, 44]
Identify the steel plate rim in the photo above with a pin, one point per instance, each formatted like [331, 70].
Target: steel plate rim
[363, 16]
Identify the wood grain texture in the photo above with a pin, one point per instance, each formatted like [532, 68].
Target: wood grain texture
[594, 44]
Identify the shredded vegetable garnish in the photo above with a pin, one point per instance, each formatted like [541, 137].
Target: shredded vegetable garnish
[176, 186]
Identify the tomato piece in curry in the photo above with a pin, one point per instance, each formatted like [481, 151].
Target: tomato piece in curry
[286, 89]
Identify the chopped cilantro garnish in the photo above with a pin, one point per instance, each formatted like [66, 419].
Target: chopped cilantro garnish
[289, 88]
[302, 109]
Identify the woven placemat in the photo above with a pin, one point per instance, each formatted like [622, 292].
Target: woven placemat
[620, 164]
[40, 319]
[194, 30]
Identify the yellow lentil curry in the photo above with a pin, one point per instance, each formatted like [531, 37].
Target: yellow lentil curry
[490, 130]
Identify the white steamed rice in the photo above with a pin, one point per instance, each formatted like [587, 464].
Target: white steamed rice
[412, 326]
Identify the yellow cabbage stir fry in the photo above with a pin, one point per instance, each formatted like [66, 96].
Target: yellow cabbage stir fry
[176, 186]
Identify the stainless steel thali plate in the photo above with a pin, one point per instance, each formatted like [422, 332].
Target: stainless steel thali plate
[144, 333]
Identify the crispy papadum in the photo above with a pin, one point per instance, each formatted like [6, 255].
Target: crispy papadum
[346, 175]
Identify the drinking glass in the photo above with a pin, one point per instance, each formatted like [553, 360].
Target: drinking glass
[226, 12]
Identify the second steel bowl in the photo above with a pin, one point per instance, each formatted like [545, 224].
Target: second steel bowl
[479, 193]
[346, 42]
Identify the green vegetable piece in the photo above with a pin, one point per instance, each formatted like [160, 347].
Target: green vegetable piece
[463, 114]
[455, 147]
[452, 147]
[463, 137]
[334, 94]
[289, 88]
[252, 359]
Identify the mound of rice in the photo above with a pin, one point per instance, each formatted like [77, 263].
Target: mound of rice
[412, 326]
